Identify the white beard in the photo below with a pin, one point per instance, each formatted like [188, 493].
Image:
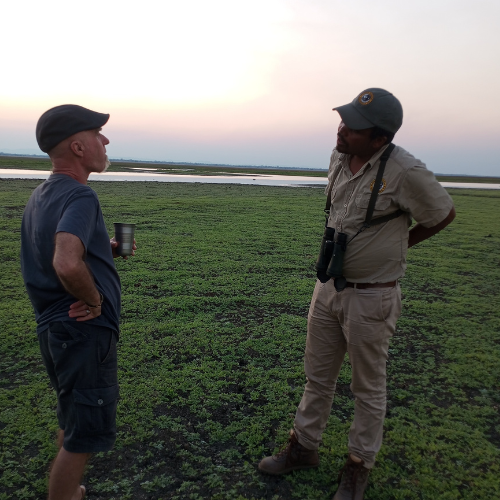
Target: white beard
[107, 164]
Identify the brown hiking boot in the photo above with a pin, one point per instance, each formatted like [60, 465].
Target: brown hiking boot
[353, 479]
[292, 456]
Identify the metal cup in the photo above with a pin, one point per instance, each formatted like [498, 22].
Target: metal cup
[124, 235]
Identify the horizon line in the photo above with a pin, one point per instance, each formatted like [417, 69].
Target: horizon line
[209, 164]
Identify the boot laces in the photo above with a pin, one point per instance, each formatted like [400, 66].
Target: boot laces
[286, 448]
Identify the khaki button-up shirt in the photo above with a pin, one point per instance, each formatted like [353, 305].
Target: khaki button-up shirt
[378, 254]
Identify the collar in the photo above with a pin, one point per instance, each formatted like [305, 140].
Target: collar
[345, 159]
[376, 156]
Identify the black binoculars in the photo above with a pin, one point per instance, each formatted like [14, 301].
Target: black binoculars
[331, 256]
[326, 250]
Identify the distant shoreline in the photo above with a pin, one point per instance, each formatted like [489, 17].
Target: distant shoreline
[182, 163]
[207, 168]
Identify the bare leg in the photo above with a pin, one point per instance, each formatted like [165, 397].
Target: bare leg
[60, 439]
[66, 473]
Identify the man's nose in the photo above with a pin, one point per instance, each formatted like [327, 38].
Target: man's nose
[105, 140]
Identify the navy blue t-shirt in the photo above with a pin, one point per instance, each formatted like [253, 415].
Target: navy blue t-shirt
[62, 204]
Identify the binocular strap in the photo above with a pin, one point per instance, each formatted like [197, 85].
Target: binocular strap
[340, 282]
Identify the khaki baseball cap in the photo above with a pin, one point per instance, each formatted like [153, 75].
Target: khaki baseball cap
[373, 108]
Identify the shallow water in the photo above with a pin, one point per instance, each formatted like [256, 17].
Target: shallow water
[257, 180]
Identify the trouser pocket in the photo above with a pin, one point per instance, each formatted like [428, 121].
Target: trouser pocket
[96, 409]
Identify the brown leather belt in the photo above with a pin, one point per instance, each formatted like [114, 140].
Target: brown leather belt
[389, 284]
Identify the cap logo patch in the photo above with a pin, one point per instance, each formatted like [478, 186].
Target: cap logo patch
[365, 98]
[383, 185]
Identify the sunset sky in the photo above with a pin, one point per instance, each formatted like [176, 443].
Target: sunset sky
[255, 82]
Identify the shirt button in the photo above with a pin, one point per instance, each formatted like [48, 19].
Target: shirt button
[100, 401]
[64, 345]
[345, 205]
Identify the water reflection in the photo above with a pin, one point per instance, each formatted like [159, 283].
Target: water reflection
[257, 180]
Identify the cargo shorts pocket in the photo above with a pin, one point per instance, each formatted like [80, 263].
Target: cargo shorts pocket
[62, 335]
[106, 346]
[96, 409]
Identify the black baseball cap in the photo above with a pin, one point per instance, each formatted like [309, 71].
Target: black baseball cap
[373, 108]
[63, 121]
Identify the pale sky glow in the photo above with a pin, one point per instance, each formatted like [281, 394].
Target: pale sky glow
[255, 82]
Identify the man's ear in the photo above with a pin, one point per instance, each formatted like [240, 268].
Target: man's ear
[77, 148]
[379, 141]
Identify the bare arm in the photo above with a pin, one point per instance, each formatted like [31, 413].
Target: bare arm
[74, 275]
[420, 233]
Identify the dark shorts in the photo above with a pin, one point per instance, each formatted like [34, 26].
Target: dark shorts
[82, 365]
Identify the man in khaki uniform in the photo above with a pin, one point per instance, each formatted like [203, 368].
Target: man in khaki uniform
[357, 312]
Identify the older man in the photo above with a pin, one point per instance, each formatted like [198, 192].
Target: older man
[69, 273]
[374, 190]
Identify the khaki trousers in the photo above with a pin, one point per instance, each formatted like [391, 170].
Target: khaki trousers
[360, 322]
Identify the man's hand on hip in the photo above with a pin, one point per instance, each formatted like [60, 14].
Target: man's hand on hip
[73, 273]
[83, 312]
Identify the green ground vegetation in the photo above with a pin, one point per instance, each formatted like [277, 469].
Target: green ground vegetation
[31, 163]
[210, 356]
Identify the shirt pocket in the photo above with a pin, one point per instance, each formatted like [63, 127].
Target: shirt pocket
[382, 203]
